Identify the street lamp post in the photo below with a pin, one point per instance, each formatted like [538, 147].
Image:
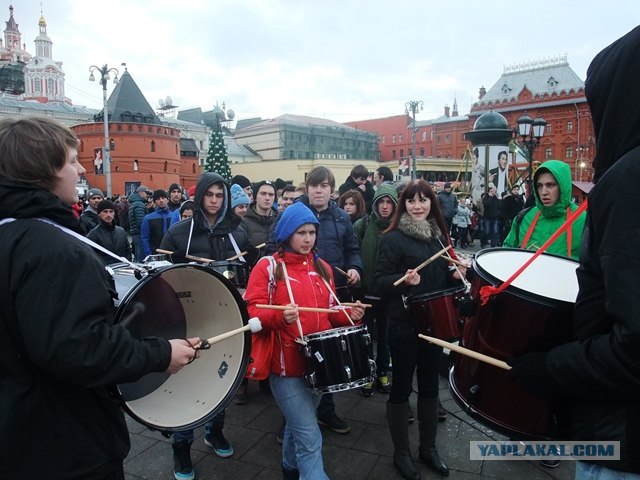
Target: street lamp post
[531, 132]
[413, 106]
[104, 78]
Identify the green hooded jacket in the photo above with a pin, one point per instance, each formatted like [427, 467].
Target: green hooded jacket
[551, 218]
[368, 230]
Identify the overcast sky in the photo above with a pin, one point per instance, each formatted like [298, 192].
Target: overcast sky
[337, 59]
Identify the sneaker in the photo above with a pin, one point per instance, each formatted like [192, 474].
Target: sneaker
[182, 468]
[442, 413]
[242, 395]
[383, 384]
[412, 417]
[220, 445]
[367, 390]
[335, 423]
[550, 463]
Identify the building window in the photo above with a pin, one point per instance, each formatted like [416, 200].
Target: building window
[393, 154]
[424, 136]
[153, 145]
[51, 87]
[568, 152]
[193, 168]
[382, 139]
[292, 154]
[400, 138]
[422, 151]
[438, 139]
[569, 126]
[447, 138]
[135, 165]
[166, 164]
[37, 85]
[393, 139]
[548, 153]
[401, 153]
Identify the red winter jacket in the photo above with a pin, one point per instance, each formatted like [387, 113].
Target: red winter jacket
[309, 290]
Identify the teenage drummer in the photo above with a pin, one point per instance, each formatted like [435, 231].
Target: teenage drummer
[533, 226]
[301, 279]
[414, 234]
[214, 233]
[60, 353]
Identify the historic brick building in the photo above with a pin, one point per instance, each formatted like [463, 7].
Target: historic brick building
[549, 88]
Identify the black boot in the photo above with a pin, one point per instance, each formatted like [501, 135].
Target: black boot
[290, 473]
[428, 427]
[398, 417]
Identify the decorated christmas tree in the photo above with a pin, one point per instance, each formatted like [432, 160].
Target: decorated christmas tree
[217, 159]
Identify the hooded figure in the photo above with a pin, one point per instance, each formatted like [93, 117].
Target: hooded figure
[198, 237]
[543, 221]
[598, 372]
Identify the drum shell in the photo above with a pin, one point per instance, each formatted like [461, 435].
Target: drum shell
[235, 271]
[512, 323]
[183, 301]
[436, 314]
[333, 353]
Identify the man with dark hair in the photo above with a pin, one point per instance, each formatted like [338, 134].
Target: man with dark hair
[89, 217]
[109, 235]
[383, 175]
[448, 204]
[499, 176]
[137, 212]
[261, 214]
[358, 179]
[155, 224]
[175, 197]
[287, 197]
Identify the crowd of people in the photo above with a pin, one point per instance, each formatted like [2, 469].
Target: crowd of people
[313, 246]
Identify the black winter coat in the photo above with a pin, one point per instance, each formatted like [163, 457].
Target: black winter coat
[114, 239]
[60, 352]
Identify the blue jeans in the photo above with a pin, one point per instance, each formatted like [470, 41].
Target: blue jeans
[491, 230]
[591, 471]
[302, 442]
[216, 423]
[137, 249]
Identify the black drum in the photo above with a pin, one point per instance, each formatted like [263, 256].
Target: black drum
[534, 314]
[338, 359]
[183, 301]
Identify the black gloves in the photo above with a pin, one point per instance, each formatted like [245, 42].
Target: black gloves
[530, 372]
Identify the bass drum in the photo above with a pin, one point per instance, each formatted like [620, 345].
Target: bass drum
[534, 314]
[182, 301]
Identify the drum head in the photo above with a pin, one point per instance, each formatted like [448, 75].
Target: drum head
[183, 301]
[549, 276]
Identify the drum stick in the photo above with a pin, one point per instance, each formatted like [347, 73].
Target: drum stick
[166, 252]
[254, 325]
[422, 265]
[242, 254]
[302, 309]
[469, 353]
[351, 304]
[291, 299]
[454, 261]
[199, 259]
[339, 270]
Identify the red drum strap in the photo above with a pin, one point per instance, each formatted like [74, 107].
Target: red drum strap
[532, 227]
[488, 291]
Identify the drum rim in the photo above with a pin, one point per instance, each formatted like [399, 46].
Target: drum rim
[517, 291]
[335, 332]
[224, 403]
[436, 294]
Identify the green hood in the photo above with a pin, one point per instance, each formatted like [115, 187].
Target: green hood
[562, 173]
[383, 191]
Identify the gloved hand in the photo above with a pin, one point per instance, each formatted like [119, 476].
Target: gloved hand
[530, 372]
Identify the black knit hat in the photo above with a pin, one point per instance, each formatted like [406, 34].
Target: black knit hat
[241, 180]
[175, 186]
[158, 194]
[105, 205]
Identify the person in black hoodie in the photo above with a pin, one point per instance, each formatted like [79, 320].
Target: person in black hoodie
[213, 232]
[109, 235]
[61, 354]
[598, 373]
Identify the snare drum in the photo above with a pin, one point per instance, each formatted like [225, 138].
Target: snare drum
[534, 314]
[338, 359]
[436, 313]
[183, 301]
[235, 271]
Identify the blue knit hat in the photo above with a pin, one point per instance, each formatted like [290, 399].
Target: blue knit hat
[293, 218]
[238, 196]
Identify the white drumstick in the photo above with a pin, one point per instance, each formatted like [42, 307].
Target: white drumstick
[254, 325]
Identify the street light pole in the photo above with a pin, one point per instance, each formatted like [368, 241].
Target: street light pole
[531, 132]
[412, 106]
[106, 154]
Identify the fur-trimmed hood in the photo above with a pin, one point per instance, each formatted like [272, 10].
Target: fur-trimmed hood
[419, 230]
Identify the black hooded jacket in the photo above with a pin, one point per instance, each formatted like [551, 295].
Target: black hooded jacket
[204, 240]
[599, 372]
[60, 353]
